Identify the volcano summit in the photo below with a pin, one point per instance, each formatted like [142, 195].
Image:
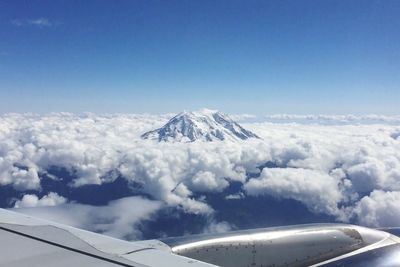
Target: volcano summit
[206, 125]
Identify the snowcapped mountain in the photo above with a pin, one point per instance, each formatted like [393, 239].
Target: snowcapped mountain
[206, 125]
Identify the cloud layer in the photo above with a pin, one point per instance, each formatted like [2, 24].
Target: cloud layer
[351, 172]
[118, 219]
[335, 119]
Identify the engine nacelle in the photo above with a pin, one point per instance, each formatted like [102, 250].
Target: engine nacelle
[282, 246]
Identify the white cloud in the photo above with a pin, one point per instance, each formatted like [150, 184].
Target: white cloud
[349, 160]
[31, 201]
[16, 22]
[207, 182]
[323, 118]
[42, 22]
[367, 176]
[237, 196]
[318, 191]
[217, 227]
[39, 22]
[25, 179]
[118, 219]
[242, 117]
[380, 208]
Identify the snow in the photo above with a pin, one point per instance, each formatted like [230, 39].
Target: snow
[205, 125]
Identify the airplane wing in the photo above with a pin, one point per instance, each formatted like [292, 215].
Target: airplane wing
[29, 242]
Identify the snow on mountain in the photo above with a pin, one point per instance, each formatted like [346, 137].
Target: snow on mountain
[205, 125]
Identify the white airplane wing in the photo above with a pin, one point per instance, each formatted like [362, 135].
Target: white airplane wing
[27, 241]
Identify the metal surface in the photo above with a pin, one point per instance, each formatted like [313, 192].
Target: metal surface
[279, 246]
[19, 251]
[49, 240]
[27, 241]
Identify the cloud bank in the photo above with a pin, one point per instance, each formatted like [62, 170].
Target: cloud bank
[118, 219]
[351, 172]
[334, 119]
[307, 186]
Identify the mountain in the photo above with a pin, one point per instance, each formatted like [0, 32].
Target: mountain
[205, 125]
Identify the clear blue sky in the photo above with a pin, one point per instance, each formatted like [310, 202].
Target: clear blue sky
[257, 57]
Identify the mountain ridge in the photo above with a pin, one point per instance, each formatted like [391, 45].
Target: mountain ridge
[205, 124]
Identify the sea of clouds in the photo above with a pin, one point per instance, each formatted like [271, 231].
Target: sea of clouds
[348, 171]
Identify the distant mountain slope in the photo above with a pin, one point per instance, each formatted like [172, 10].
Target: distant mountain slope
[205, 125]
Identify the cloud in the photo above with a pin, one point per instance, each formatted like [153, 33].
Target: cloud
[17, 22]
[237, 196]
[207, 182]
[396, 135]
[329, 168]
[119, 218]
[217, 227]
[242, 117]
[39, 22]
[318, 191]
[379, 209]
[334, 119]
[30, 201]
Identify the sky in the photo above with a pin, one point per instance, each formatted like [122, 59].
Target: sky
[259, 57]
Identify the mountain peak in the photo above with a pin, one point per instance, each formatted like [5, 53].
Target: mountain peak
[204, 124]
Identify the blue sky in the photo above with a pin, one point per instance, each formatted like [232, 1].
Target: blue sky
[260, 57]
